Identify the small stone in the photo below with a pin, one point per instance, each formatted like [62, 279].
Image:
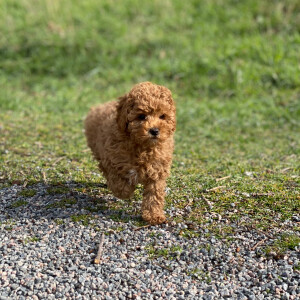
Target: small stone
[285, 286]
[225, 293]
[285, 296]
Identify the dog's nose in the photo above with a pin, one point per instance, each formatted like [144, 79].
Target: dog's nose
[154, 131]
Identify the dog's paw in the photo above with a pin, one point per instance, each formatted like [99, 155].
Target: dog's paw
[153, 218]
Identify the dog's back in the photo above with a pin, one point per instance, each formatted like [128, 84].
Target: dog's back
[99, 119]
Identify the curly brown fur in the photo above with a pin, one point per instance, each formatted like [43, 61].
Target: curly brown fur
[133, 141]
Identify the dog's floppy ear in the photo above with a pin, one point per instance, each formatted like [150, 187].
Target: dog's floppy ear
[167, 95]
[174, 119]
[124, 106]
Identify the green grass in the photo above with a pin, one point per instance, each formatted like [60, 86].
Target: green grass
[83, 219]
[200, 274]
[63, 203]
[282, 244]
[57, 190]
[31, 239]
[18, 203]
[168, 253]
[233, 68]
[59, 221]
[27, 193]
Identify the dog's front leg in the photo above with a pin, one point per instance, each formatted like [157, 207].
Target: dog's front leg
[153, 202]
[121, 187]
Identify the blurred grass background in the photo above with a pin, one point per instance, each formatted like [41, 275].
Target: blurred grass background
[233, 67]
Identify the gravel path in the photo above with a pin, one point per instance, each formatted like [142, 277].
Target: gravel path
[46, 254]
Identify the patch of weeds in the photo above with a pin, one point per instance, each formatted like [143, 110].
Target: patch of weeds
[84, 219]
[8, 227]
[219, 232]
[208, 234]
[168, 253]
[110, 231]
[27, 193]
[31, 239]
[178, 219]
[154, 252]
[118, 229]
[207, 247]
[96, 208]
[18, 203]
[199, 274]
[82, 190]
[138, 193]
[59, 221]
[57, 190]
[119, 216]
[8, 224]
[139, 222]
[176, 249]
[63, 203]
[282, 244]
[296, 267]
[97, 228]
[187, 233]
[155, 234]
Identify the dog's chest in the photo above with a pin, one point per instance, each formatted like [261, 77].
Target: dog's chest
[150, 167]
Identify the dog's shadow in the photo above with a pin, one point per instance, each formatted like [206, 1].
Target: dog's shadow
[66, 201]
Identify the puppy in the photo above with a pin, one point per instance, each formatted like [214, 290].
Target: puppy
[132, 139]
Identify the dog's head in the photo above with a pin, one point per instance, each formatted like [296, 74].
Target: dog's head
[147, 113]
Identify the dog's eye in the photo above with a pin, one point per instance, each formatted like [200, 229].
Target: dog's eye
[162, 116]
[142, 117]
